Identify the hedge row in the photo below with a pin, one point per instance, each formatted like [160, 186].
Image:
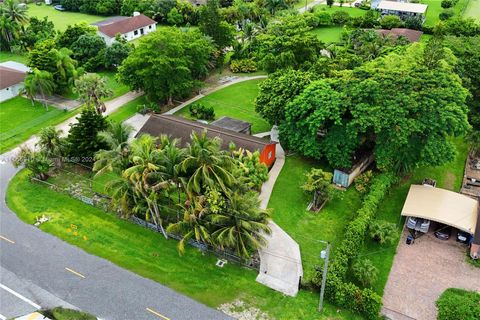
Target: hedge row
[458, 304]
[338, 291]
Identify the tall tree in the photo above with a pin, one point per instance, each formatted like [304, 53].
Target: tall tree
[206, 165]
[242, 224]
[83, 140]
[92, 90]
[392, 105]
[89, 51]
[73, 32]
[167, 64]
[213, 25]
[13, 17]
[41, 83]
[287, 43]
[52, 144]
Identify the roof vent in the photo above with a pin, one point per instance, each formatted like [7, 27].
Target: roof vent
[136, 13]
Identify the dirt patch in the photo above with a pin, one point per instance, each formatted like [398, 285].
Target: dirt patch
[241, 311]
[421, 272]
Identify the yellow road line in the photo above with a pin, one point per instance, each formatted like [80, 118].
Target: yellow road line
[158, 314]
[8, 240]
[75, 273]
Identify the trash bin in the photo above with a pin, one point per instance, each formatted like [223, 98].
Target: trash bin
[410, 240]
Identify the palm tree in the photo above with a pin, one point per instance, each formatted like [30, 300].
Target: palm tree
[13, 10]
[195, 223]
[171, 156]
[116, 158]
[209, 166]
[66, 67]
[274, 5]
[9, 31]
[92, 89]
[39, 82]
[146, 176]
[242, 226]
[52, 144]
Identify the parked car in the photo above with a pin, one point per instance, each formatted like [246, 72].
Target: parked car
[463, 237]
[443, 232]
[418, 224]
[59, 7]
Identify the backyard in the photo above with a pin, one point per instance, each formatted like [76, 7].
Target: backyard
[435, 8]
[236, 101]
[9, 56]
[329, 34]
[19, 120]
[61, 19]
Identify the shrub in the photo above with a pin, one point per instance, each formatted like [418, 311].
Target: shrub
[362, 181]
[253, 172]
[243, 65]
[311, 19]
[324, 18]
[391, 21]
[447, 4]
[344, 294]
[340, 17]
[383, 231]
[200, 111]
[413, 23]
[319, 184]
[446, 14]
[458, 304]
[364, 272]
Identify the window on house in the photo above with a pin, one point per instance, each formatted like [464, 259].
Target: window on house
[149, 27]
[135, 32]
[141, 31]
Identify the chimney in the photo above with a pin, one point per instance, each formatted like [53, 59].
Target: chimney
[136, 13]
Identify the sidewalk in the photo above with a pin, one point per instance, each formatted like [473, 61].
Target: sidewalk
[111, 106]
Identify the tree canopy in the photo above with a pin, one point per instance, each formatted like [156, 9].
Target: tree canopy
[395, 105]
[167, 64]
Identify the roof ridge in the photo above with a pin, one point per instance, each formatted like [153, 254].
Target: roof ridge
[214, 129]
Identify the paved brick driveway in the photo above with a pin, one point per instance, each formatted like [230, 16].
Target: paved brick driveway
[421, 272]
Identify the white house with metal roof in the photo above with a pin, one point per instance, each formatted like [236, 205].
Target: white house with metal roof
[402, 9]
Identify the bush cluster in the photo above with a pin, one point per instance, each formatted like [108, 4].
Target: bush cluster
[346, 294]
[201, 111]
[456, 304]
[243, 65]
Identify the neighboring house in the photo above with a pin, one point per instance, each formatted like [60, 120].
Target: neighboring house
[181, 128]
[129, 28]
[402, 9]
[410, 34]
[11, 82]
[233, 125]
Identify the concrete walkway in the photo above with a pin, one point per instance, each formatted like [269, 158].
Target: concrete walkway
[111, 106]
[280, 260]
[211, 90]
[310, 5]
[59, 102]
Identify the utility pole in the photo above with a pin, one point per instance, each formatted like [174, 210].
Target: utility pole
[324, 276]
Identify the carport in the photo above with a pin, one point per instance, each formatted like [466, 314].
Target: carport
[444, 206]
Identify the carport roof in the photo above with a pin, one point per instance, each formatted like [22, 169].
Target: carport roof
[440, 205]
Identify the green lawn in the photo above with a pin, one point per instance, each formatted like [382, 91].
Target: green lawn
[328, 34]
[353, 12]
[19, 120]
[117, 87]
[448, 176]
[61, 19]
[289, 205]
[435, 8]
[127, 110]
[150, 255]
[9, 56]
[472, 9]
[236, 101]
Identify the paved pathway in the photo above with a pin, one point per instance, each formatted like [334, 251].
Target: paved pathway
[34, 265]
[310, 5]
[421, 272]
[280, 260]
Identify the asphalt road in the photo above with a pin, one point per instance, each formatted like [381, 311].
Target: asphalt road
[48, 272]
